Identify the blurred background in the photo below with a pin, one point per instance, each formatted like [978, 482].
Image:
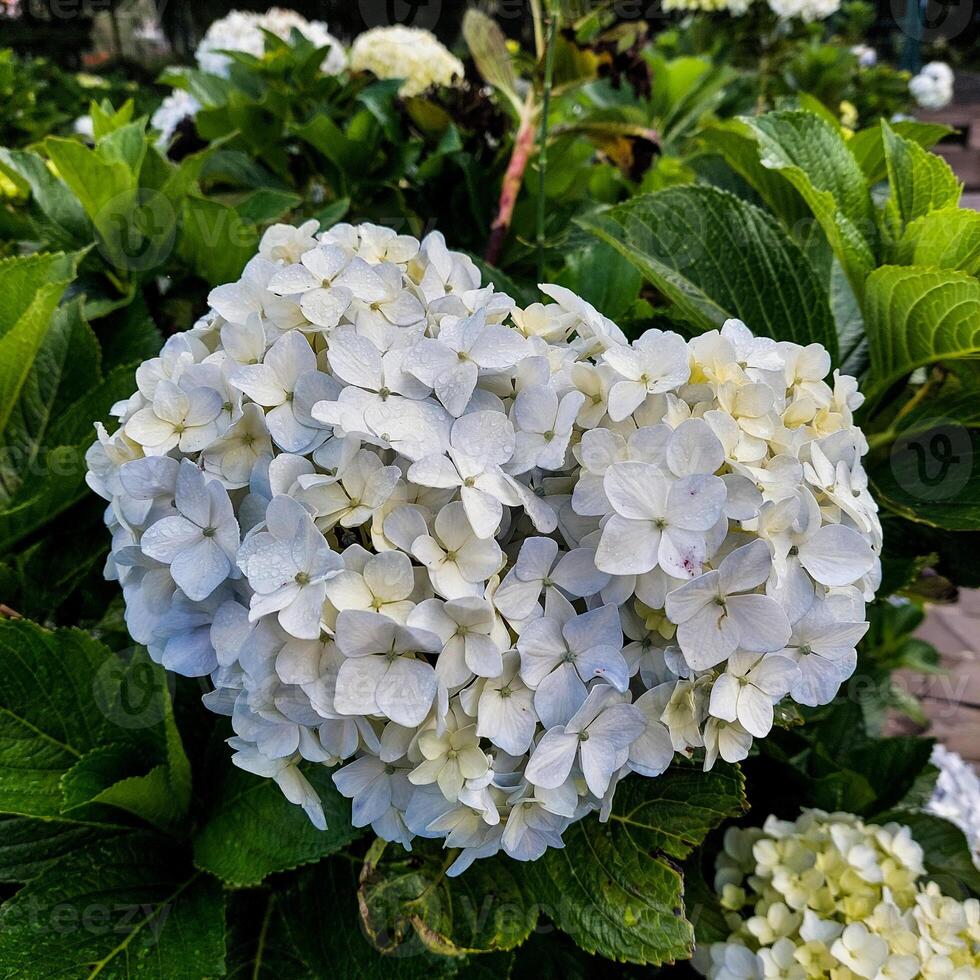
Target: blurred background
[146, 34]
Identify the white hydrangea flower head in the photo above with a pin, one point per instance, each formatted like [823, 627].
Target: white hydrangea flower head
[830, 896]
[932, 88]
[805, 10]
[411, 53]
[490, 560]
[956, 797]
[242, 30]
[174, 109]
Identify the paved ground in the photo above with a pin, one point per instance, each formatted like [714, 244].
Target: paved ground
[952, 701]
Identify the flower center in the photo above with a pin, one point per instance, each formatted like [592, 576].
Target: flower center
[302, 578]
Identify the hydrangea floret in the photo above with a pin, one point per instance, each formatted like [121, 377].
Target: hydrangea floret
[827, 895]
[485, 560]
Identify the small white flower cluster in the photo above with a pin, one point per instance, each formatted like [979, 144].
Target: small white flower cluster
[956, 797]
[174, 109]
[411, 53]
[734, 7]
[866, 55]
[805, 10]
[243, 31]
[492, 558]
[932, 88]
[84, 127]
[830, 896]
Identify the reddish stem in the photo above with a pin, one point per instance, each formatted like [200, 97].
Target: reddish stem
[510, 188]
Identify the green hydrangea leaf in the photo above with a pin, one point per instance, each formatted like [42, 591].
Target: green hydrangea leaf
[616, 888]
[806, 150]
[321, 917]
[269, 833]
[407, 897]
[75, 721]
[717, 257]
[131, 906]
[915, 316]
[920, 181]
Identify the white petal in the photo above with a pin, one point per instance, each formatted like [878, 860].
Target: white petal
[755, 712]
[745, 568]
[624, 398]
[723, 702]
[168, 537]
[355, 360]
[762, 624]
[551, 761]
[434, 471]
[406, 691]
[836, 555]
[482, 511]
[301, 618]
[361, 633]
[636, 490]
[693, 448]
[200, 569]
[577, 574]
[696, 502]
[627, 547]
[559, 695]
[357, 682]
[708, 638]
